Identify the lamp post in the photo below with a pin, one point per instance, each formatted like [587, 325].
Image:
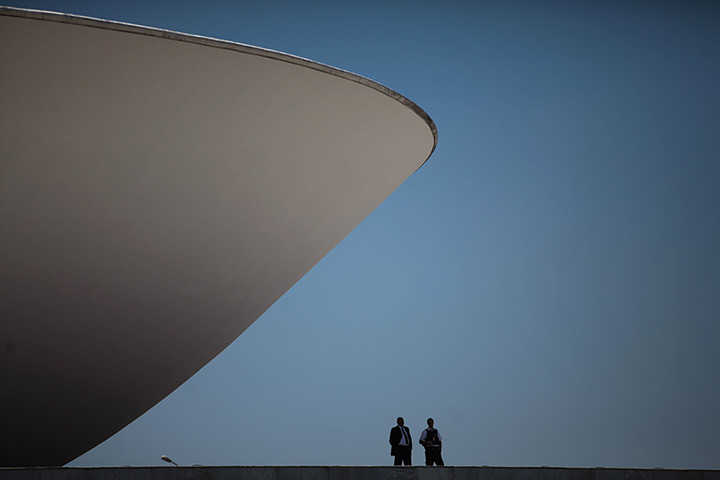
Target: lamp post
[167, 459]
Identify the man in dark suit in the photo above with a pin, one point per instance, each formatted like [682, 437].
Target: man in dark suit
[401, 443]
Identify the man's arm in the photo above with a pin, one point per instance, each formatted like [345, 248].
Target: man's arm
[394, 438]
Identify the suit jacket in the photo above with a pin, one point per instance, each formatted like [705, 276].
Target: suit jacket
[396, 436]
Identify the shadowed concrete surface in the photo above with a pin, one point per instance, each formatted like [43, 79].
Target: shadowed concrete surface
[353, 473]
[158, 192]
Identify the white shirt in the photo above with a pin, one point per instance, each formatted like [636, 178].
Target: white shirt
[404, 436]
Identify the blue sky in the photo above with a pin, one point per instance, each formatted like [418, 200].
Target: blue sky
[547, 286]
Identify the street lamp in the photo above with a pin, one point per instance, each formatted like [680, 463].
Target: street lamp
[167, 459]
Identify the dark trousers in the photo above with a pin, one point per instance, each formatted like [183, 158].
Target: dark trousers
[403, 455]
[433, 455]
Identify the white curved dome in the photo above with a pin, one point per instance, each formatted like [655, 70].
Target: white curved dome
[158, 192]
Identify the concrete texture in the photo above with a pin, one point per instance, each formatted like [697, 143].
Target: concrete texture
[353, 473]
[158, 192]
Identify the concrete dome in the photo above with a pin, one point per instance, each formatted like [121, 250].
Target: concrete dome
[158, 192]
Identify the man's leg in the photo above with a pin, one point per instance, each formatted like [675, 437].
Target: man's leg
[407, 458]
[438, 458]
[428, 457]
[398, 460]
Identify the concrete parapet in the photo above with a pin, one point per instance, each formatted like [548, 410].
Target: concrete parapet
[352, 473]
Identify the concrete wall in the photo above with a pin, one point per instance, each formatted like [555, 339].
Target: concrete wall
[352, 473]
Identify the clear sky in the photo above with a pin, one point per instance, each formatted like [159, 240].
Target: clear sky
[547, 286]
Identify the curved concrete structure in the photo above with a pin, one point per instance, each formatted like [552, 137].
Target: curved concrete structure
[158, 192]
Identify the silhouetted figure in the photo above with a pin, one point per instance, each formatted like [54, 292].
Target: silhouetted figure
[432, 441]
[401, 443]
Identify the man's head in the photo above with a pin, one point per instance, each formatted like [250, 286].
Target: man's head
[430, 422]
[400, 421]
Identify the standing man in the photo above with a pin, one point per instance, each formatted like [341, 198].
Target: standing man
[432, 441]
[401, 443]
